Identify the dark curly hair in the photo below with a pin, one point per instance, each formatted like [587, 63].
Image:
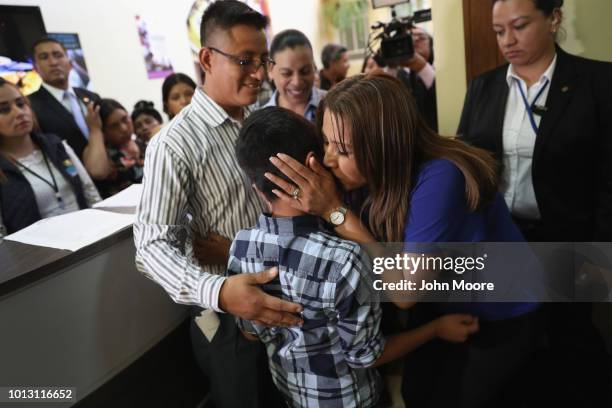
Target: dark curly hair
[146, 108]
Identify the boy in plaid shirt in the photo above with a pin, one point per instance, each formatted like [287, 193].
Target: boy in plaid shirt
[330, 360]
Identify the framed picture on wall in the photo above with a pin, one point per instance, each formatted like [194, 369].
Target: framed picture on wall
[154, 52]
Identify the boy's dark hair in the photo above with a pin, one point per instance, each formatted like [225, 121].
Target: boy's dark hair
[225, 14]
[42, 41]
[270, 131]
[288, 39]
[331, 53]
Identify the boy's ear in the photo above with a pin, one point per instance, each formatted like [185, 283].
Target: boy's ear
[263, 197]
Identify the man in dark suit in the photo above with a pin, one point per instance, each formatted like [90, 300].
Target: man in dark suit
[59, 108]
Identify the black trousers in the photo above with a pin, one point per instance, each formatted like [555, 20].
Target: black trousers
[236, 367]
[486, 371]
[573, 367]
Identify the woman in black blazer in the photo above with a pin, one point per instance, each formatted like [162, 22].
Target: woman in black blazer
[40, 176]
[571, 152]
[547, 118]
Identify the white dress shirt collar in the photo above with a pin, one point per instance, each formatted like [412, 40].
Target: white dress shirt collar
[57, 92]
[547, 75]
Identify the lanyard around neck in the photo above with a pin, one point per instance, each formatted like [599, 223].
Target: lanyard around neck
[52, 184]
[529, 107]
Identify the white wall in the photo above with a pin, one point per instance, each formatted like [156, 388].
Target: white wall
[108, 34]
[301, 15]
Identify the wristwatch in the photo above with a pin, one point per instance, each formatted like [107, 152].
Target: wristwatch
[337, 217]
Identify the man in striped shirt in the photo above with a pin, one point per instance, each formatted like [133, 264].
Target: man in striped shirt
[192, 185]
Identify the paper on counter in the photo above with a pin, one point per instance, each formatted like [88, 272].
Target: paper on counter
[124, 201]
[74, 230]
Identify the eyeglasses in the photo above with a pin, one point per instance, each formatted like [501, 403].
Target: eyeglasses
[250, 65]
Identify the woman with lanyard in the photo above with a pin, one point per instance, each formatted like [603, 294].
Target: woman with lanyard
[40, 176]
[293, 74]
[547, 118]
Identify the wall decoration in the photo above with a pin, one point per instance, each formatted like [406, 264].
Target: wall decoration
[154, 53]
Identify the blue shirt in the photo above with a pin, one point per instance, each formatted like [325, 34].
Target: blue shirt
[439, 213]
[326, 362]
[311, 110]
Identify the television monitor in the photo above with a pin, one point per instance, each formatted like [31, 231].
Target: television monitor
[20, 27]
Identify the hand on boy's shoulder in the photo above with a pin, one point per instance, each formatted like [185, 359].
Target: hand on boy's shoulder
[241, 296]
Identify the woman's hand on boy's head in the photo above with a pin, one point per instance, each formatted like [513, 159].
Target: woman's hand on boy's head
[317, 192]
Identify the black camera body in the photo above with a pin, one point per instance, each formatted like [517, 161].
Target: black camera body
[396, 44]
[396, 41]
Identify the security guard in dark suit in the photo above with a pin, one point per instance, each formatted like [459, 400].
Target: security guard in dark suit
[60, 109]
[547, 118]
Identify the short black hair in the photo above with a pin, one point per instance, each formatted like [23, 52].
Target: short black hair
[225, 14]
[545, 6]
[170, 81]
[146, 108]
[107, 107]
[288, 39]
[43, 40]
[331, 53]
[270, 131]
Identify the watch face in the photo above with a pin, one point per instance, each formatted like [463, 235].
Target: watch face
[336, 218]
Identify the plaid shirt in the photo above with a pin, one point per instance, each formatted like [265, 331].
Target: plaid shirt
[325, 362]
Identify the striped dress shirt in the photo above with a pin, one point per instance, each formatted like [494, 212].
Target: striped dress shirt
[192, 184]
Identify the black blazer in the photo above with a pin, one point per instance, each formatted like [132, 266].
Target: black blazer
[572, 163]
[17, 198]
[54, 118]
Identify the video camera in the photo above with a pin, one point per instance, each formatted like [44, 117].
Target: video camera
[395, 39]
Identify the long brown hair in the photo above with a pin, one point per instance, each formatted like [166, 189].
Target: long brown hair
[391, 142]
[35, 127]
